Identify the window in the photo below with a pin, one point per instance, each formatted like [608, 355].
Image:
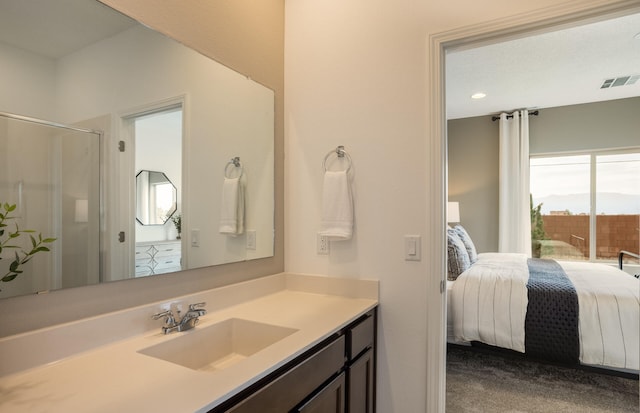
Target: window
[589, 204]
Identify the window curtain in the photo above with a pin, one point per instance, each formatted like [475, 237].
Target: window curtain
[514, 233]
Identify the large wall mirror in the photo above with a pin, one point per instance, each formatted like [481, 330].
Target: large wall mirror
[80, 97]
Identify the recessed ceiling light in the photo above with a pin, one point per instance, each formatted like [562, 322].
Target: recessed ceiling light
[478, 95]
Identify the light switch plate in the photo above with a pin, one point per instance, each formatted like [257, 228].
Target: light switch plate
[412, 248]
[195, 237]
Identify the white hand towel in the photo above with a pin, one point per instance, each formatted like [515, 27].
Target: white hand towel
[337, 206]
[232, 207]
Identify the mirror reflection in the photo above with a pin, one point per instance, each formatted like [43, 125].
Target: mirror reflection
[156, 198]
[107, 76]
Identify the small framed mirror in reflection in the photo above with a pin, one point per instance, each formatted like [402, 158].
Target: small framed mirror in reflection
[156, 198]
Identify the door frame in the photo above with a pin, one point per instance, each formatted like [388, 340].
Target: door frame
[126, 176]
[518, 26]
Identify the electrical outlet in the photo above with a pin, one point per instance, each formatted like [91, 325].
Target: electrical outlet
[323, 244]
[251, 239]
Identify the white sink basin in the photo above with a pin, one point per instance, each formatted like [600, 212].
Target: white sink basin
[218, 346]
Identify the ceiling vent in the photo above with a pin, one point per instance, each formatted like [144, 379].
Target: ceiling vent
[620, 81]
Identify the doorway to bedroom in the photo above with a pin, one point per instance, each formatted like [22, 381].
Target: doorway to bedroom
[473, 146]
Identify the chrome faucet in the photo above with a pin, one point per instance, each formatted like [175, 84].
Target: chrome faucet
[187, 322]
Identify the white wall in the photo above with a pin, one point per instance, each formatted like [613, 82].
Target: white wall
[28, 83]
[356, 75]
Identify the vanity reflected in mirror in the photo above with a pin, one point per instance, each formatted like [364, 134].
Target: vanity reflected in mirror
[106, 76]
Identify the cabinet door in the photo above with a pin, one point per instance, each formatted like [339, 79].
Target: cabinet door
[361, 379]
[330, 399]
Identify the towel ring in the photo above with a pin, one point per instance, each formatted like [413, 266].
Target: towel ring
[234, 162]
[340, 153]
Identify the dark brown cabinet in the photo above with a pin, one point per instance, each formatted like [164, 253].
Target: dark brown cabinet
[361, 383]
[329, 399]
[336, 376]
[360, 365]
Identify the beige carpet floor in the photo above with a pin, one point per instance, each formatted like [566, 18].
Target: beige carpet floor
[479, 380]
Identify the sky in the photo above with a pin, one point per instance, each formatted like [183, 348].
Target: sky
[569, 175]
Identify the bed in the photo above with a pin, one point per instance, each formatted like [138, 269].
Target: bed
[574, 312]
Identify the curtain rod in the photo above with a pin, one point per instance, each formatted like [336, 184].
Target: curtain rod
[532, 113]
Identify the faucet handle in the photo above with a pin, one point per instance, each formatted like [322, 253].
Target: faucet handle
[169, 317]
[197, 306]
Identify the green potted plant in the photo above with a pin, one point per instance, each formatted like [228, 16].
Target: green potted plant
[177, 221]
[9, 238]
[537, 228]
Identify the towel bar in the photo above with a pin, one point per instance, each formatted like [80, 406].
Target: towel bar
[340, 153]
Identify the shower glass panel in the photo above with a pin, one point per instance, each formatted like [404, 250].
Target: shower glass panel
[51, 173]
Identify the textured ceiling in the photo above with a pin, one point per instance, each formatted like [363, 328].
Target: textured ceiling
[558, 68]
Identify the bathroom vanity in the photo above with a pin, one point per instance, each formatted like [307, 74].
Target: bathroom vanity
[338, 372]
[158, 257]
[279, 343]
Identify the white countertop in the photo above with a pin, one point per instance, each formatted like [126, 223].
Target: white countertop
[114, 377]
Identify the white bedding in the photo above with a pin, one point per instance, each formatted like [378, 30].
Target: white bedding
[488, 303]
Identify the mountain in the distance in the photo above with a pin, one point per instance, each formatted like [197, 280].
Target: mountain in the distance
[606, 203]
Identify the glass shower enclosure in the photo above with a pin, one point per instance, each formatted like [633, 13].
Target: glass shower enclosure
[51, 173]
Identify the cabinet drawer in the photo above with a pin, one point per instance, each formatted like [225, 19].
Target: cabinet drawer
[166, 250]
[329, 399]
[144, 251]
[167, 262]
[286, 391]
[144, 259]
[360, 337]
[143, 270]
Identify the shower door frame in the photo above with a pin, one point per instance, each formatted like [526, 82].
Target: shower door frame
[56, 267]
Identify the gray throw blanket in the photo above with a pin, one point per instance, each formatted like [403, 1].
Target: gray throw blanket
[551, 323]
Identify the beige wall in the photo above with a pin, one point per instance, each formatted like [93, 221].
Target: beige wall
[357, 74]
[473, 153]
[246, 35]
